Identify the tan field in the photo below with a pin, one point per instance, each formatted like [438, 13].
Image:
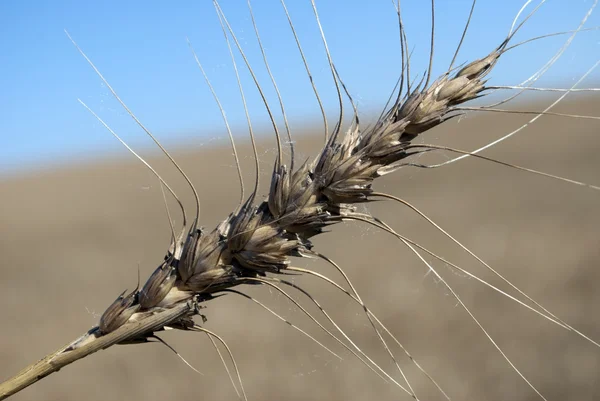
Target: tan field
[73, 238]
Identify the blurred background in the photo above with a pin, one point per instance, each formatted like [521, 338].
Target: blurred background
[80, 215]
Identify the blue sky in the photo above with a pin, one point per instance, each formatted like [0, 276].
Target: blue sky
[140, 47]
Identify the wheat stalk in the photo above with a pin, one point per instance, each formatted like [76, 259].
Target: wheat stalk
[258, 242]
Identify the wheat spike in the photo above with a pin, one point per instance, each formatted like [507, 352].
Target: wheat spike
[259, 241]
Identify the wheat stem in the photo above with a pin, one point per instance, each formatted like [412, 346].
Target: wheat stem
[64, 356]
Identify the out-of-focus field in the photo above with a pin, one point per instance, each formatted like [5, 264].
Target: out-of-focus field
[71, 240]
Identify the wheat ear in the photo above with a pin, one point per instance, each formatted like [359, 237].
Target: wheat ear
[255, 244]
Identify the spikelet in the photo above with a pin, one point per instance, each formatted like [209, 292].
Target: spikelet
[119, 312]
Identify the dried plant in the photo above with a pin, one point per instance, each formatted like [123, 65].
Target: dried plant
[259, 241]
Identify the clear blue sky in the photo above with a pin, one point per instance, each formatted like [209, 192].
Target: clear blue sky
[140, 47]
